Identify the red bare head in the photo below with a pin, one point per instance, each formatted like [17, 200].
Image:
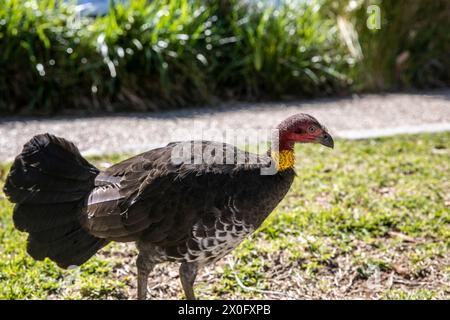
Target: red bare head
[302, 128]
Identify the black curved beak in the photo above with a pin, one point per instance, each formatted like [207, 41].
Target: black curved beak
[326, 140]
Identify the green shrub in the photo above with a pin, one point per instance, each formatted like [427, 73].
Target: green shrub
[291, 49]
[153, 55]
[148, 56]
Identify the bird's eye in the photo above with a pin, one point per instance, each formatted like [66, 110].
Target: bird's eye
[311, 129]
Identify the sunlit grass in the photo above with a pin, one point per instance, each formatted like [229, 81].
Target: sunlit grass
[378, 205]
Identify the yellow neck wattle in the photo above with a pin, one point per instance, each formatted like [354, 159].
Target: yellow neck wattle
[284, 159]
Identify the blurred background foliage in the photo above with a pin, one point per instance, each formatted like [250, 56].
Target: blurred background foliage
[153, 55]
[412, 48]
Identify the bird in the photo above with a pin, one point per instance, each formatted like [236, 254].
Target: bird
[173, 208]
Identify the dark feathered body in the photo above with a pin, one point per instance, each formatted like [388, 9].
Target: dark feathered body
[183, 212]
[174, 211]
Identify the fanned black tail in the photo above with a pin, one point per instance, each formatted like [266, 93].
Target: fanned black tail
[48, 182]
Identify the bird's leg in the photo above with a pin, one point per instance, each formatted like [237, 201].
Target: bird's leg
[144, 267]
[188, 272]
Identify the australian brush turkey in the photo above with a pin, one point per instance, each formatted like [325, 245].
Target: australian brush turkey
[192, 213]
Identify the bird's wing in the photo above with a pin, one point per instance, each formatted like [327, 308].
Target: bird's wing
[150, 195]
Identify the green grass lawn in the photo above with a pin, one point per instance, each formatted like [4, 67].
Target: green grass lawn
[369, 219]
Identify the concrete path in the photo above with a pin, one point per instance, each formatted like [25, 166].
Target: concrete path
[355, 117]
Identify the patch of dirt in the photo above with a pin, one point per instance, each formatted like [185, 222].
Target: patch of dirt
[344, 276]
